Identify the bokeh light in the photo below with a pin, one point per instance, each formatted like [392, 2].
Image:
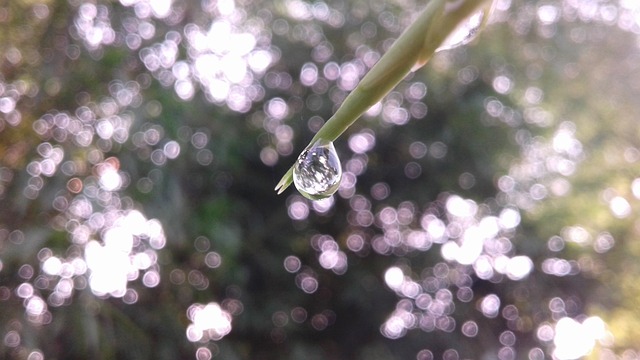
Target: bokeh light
[138, 136]
[209, 322]
[573, 339]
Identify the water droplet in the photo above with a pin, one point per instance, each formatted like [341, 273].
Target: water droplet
[317, 172]
[464, 33]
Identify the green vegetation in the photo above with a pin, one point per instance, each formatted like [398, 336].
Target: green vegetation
[488, 205]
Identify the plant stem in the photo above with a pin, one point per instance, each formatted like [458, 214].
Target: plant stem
[414, 47]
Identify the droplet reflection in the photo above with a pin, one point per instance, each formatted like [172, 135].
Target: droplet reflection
[464, 33]
[317, 172]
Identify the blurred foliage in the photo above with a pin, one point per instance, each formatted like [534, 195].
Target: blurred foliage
[538, 117]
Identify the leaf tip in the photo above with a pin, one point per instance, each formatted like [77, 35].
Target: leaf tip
[285, 182]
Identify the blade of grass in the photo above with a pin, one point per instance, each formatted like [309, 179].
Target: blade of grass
[416, 45]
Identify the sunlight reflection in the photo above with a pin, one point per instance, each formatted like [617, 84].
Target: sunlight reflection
[469, 328]
[543, 167]
[331, 257]
[93, 25]
[490, 306]
[292, 264]
[394, 278]
[298, 208]
[204, 353]
[109, 269]
[620, 207]
[307, 282]
[119, 259]
[519, 267]
[209, 322]
[573, 339]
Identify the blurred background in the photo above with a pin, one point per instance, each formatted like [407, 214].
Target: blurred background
[488, 209]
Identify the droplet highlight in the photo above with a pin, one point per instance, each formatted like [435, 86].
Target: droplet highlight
[464, 32]
[317, 171]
